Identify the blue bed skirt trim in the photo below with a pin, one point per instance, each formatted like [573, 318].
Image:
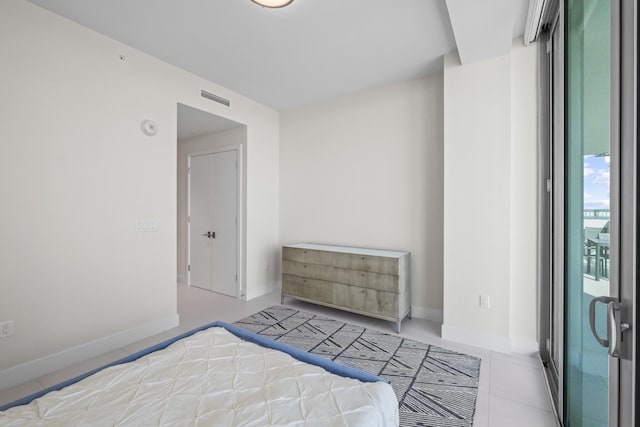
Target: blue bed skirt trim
[303, 356]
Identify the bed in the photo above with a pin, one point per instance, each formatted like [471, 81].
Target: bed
[216, 375]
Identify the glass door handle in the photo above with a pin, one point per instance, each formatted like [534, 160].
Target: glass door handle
[615, 327]
[592, 319]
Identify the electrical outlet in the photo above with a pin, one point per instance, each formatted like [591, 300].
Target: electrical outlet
[6, 329]
[484, 301]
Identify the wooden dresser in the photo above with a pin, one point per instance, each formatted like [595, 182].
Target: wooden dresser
[371, 282]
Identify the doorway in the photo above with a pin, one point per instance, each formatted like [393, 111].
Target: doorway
[212, 220]
[589, 211]
[210, 201]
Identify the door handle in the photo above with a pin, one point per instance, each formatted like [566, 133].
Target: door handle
[210, 234]
[592, 318]
[615, 327]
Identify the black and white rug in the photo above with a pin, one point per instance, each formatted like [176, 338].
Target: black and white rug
[435, 387]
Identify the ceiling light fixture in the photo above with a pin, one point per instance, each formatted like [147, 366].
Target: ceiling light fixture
[273, 3]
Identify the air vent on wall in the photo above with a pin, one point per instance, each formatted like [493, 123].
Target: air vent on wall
[216, 98]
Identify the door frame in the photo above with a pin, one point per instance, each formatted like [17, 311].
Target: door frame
[624, 378]
[240, 289]
[550, 202]
[624, 101]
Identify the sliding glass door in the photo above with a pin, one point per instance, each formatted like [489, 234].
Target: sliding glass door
[588, 210]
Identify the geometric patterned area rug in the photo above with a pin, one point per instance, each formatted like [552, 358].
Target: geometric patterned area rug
[435, 387]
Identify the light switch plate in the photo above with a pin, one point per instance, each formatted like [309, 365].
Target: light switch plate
[147, 225]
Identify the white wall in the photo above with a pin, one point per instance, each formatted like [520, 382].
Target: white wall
[489, 200]
[76, 173]
[366, 170]
[235, 136]
[262, 227]
[477, 170]
[524, 134]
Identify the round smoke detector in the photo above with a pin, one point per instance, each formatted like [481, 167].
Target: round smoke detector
[149, 127]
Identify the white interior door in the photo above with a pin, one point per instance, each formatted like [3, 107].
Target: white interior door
[213, 208]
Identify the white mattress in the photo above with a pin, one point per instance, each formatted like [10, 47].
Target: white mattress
[212, 378]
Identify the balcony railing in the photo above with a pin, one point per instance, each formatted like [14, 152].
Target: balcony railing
[596, 214]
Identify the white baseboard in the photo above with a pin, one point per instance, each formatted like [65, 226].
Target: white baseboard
[36, 368]
[432, 314]
[485, 340]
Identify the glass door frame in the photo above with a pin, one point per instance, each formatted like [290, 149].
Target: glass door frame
[624, 131]
[623, 375]
[550, 201]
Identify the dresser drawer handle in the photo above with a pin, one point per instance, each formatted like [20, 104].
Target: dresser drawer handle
[362, 258]
[304, 266]
[362, 274]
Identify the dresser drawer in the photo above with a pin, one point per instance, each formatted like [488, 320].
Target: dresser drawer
[369, 263]
[366, 279]
[308, 256]
[366, 300]
[317, 290]
[311, 271]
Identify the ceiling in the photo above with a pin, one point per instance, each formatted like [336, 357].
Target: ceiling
[310, 51]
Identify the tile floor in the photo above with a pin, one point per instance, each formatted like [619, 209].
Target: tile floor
[512, 389]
